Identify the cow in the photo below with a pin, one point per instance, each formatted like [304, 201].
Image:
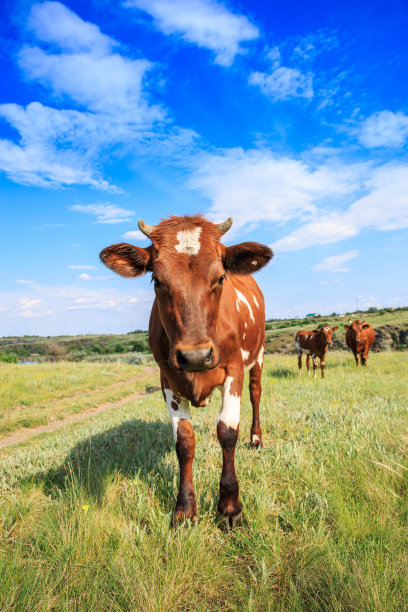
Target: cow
[360, 338]
[315, 344]
[207, 327]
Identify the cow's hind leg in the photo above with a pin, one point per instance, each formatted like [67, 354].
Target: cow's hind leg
[308, 364]
[229, 505]
[300, 364]
[179, 411]
[255, 390]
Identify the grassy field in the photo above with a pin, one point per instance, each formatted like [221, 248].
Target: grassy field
[42, 393]
[86, 511]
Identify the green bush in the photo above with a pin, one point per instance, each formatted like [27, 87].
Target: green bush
[8, 358]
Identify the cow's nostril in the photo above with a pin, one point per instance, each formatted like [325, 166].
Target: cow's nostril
[210, 356]
[181, 360]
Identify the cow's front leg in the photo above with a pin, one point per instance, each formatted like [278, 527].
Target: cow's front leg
[179, 411]
[314, 365]
[322, 365]
[308, 364]
[229, 505]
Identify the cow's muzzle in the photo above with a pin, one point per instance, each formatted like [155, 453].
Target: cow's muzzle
[196, 359]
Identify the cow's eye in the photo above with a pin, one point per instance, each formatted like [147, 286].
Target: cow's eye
[221, 280]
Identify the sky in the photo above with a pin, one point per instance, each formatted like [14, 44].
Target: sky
[291, 117]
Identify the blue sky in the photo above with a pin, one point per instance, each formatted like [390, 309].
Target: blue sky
[290, 117]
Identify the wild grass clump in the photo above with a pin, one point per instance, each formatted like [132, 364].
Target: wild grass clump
[87, 512]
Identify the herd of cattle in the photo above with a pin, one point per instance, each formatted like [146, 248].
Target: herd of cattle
[359, 338]
[207, 327]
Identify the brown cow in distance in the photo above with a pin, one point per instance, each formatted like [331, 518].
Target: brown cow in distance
[360, 338]
[315, 344]
[207, 327]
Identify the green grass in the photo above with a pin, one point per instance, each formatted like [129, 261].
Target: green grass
[37, 394]
[86, 511]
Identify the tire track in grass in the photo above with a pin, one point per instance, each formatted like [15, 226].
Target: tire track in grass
[26, 433]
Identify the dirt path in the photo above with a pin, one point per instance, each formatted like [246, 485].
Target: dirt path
[29, 432]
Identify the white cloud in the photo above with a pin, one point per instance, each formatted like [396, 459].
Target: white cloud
[23, 281]
[64, 146]
[84, 277]
[82, 267]
[104, 212]
[134, 235]
[282, 83]
[206, 23]
[76, 309]
[30, 315]
[384, 129]
[258, 185]
[53, 22]
[26, 303]
[384, 208]
[335, 262]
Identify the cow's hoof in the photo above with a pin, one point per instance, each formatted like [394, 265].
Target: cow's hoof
[228, 522]
[256, 440]
[183, 514]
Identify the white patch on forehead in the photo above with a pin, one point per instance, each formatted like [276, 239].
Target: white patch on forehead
[182, 412]
[245, 324]
[244, 336]
[256, 301]
[231, 404]
[189, 241]
[326, 328]
[245, 355]
[261, 356]
[242, 298]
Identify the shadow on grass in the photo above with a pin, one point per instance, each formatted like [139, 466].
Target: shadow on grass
[134, 447]
[281, 373]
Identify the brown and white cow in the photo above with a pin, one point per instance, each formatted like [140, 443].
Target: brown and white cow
[207, 326]
[315, 344]
[360, 338]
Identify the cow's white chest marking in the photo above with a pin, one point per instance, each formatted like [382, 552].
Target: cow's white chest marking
[230, 405]
[188, 241]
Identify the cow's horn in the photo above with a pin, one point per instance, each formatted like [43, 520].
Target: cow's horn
[224, 227]
[350, 321]
[363, 320]
[146, 229]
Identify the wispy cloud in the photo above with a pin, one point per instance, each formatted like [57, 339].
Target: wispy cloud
[134, 235]
[384, 129]
[281, 82]
[335, 262]
[206, 23]
[384, 208]
[84, 69]
[104, 212]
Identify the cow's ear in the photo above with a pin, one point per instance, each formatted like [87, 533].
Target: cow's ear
[126, 259]
[365, 325]
[246, 258]
[335, 328]
[347, 327]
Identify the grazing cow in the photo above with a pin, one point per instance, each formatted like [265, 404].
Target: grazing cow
[315, 344]
[207, 326]
[360, 338]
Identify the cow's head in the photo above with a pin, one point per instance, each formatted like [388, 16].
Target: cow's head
[189, 267]
[326, 334]
[357, 329]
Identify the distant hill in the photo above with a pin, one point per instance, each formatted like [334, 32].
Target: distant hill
[391, 327]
